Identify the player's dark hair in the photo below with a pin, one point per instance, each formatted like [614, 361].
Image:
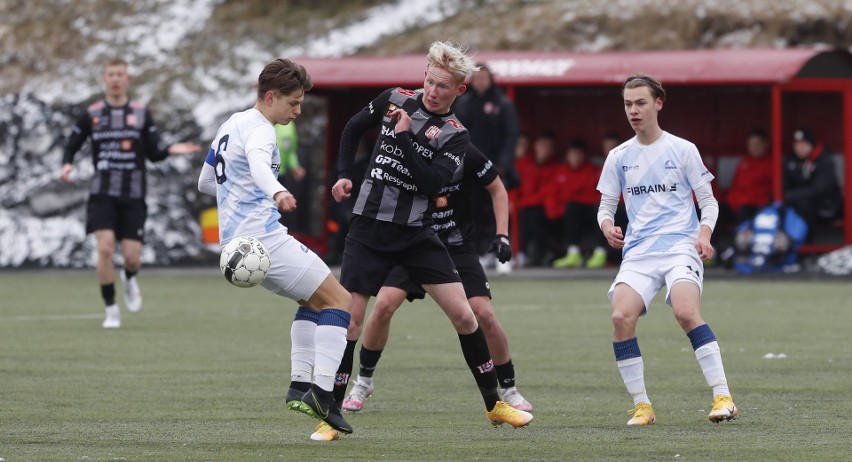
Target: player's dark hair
[644, 80]
[283, 76]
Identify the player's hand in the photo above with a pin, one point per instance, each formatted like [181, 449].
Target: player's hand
[285, 201]
[65, 175]
[704, 248]
[342, 189]
[403, 122]
[502, 247]
[184, 148]
[614, 236]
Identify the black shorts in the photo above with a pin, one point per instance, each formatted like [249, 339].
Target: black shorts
[126, 217]
[467, 263]
[374, 247]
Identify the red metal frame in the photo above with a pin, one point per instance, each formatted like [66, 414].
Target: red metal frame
[768, 68]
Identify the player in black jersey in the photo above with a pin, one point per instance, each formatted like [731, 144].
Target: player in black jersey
[452, 221]
[420, 147]
[123, 135]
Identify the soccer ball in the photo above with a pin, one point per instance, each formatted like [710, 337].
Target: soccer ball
[244, 261]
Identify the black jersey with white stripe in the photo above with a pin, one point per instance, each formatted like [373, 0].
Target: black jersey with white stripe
[122, 138]
[405, 170]
[450, 210]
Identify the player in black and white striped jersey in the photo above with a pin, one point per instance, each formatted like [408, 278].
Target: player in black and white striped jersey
[420, 147]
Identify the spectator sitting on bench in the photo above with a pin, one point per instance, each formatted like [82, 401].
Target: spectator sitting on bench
[810, 182]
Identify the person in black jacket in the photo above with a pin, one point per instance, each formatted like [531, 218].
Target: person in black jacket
[492, 121]
[810, 181]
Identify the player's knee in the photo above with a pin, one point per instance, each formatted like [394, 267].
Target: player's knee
[486, 319]
[106, 252]
[132, 262]
[464, 322]
[383, 312]
[621, 320]
[686, 316]
[354, 329]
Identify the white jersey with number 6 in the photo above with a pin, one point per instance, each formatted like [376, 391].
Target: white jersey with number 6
[657, 182]
[246, 208]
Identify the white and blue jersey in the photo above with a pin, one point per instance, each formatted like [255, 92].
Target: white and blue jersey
[244, 156]
[656, 182]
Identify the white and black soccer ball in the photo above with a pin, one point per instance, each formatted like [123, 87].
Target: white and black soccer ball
[244, 261]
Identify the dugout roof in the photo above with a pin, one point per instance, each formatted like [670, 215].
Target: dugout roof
[511, 68]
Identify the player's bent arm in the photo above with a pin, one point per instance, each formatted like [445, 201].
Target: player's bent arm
[368, 118]
[500, 203]
[708, 204]
[260, 167]
[606, 210]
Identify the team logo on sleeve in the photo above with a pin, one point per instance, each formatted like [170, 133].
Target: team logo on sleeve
[432, 132]
[405, 92]
[454, 123]
[391, 107]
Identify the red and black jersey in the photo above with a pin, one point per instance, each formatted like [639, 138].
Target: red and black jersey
[122, 138]
[405, 169]
[450, 211]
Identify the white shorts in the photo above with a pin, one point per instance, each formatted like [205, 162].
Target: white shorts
[295, 272]
[647, 274]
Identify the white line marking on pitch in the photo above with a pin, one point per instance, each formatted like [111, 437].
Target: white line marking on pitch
[63, 317]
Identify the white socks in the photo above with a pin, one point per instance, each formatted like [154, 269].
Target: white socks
[302, 350]
[633, 374]
[329, 344]
[710, 359]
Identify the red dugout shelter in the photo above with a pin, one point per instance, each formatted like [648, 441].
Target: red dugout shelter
[715, 97]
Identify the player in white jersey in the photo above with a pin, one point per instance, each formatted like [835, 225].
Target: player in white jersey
[242, 170]
[657, 173]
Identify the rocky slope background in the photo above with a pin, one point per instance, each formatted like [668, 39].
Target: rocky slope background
[194, 62]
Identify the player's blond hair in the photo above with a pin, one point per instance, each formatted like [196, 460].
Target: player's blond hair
[451, 58]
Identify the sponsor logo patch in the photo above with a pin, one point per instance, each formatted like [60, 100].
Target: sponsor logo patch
[432, 132]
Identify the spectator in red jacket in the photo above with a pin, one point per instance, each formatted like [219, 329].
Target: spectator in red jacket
[536, 172]
[751, 188]
[573, 199]
[750, 191]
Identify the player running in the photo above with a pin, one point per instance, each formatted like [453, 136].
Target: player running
[123, 135]
[242, 170]
[657, 173]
